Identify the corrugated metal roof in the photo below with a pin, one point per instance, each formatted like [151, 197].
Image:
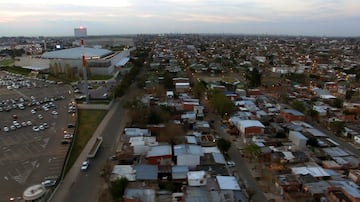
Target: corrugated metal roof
[188, 149]
[218, 158]
[159, 150]
[146, 172]
[227, 183]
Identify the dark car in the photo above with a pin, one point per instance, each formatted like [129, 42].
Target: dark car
[65, 141]
[71, 126]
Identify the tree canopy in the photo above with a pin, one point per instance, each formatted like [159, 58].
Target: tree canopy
[223, 145]
[221, 103]
[254, 77]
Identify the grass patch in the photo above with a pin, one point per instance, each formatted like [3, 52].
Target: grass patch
[100, 77]
[6, 62]
[88, 121]
[16, 70]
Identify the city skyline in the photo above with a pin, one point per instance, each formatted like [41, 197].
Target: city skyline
[276, 17]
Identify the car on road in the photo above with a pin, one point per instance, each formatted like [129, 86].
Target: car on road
[85, 165]
[230, 164]
[66, 141]
[68, 136]
[48, 183]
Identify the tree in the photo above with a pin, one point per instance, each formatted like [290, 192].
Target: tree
[252, 151]
[221, 103]
[298, 105]
[337, 127]
[170, 133]
[314, 114]
[118, 187]
[312, 141]
[223, 145]
[199, 89]
[349, 94]
[254, 77]
[337, 103]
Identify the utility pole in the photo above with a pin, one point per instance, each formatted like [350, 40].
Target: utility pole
[86, 86]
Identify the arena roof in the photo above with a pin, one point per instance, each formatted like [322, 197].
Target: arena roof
[76, 53]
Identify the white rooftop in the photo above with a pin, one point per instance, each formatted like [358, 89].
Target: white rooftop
[76, 53]
[227, 183]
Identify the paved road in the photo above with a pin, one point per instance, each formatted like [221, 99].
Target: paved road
[86, 186]
[246, 178]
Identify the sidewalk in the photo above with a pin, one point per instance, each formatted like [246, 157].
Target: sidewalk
[61, 192]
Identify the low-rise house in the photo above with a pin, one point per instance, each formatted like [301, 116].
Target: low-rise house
[288, 183]
[188, 154]
[292, 115]
[140, 194]
[133, 132]
[141, 144]
[248, 128]
[197, 178]
[354, 175]
[228, 183]
[145, 172]
[179, 173]
[120, 171]
[298, 139]
[159, 155]
[348, 188]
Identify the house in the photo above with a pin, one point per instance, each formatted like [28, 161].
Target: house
[348, 188]
[298, 139]
[120, 171]
[139, 194]
[354, 175]
[146, 172]
[197, 178]
[179, 172]
[292, 115]
[248, 127]
[288, 182]
[159, 155]
[182, 87]
[133, 132]
[141, 144]
[188, 154]
[228, 183]
[189, 104]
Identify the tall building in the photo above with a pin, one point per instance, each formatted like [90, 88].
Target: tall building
[80, 32]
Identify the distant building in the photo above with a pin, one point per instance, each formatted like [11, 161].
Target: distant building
[80, 32]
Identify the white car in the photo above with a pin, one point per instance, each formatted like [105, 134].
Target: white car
[35, 128]
[40, 116]
[85, 165]
[41, 127]
[54, 113]
[48, 183]
[12, 127]
[29, 123]
[230, 164]
[6, 129]
[68, 136]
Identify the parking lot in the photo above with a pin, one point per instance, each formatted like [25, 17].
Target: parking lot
[33, 116]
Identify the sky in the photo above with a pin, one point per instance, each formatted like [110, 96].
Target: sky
[108, 17]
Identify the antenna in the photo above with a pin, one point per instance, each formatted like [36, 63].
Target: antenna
[86, 86]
